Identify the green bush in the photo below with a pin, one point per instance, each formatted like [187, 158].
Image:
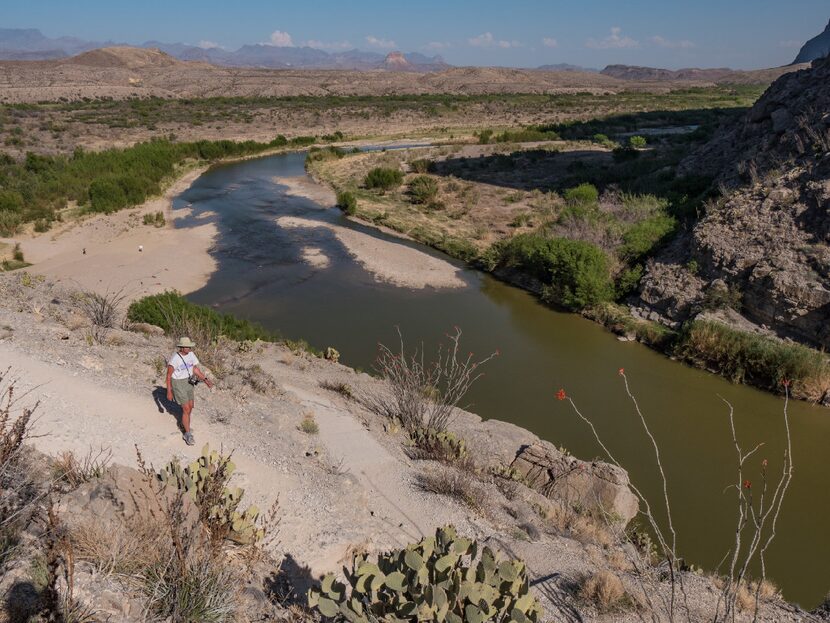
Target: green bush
[11, 201]
[575, 274]
[170, 309]
[383, 178]
[156, 219]
[106, 195]
[423, 189]
[17, 253]
[440, 578]
[641, 238]
[421, 165]
[637, 142]
[9, 223]
[484, 136]
[346, 201]
[582, 194]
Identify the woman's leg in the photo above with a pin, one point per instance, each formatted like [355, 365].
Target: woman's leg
[186, 409]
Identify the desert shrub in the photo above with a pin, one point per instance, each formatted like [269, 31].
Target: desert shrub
[383, 178]
[422, 395]
[454, 483]
[156, 219]
[439, 578]
[603, 590]
[42, 225]
[754, 359]
[526, 135]
[102, 310]
[11, 201]
[603, 140]
[641, 238]
[73, 472]
[722, 296]
[17, 253]
[637, 142]
[9, 223]
[484, 136]
[421, 165]
[323, 154]
[582, 194]
[575, 274]
[444, 446]
[624, 153]
[347, 202]
[335, 136]
[309, 425]
[423, 189]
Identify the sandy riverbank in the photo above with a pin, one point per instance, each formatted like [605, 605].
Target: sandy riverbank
[387, 261]
[101, 252]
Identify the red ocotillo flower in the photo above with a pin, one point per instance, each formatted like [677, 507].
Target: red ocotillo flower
[560, 395]
[747, 484]
[764, 463]
[622, 371]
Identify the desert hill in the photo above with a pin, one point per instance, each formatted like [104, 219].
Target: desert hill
[721, 75]
[122, 57]
[766, 241]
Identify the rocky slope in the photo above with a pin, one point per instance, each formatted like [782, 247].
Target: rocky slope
[816, 48]
[766, 240]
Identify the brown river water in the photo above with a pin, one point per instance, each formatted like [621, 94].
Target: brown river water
[261, 276]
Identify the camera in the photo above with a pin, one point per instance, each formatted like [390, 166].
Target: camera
[193, 380]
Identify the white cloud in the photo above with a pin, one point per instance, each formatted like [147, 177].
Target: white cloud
[328, 45]
[790, 44]
[437, 45]
[375, 42]
[668, 43]
[281, 39]
[487, 40]
[207, 45]
[549, 42]
[614, 41]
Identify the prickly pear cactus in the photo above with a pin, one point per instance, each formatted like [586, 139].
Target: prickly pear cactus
[441, 579]
[195, 479]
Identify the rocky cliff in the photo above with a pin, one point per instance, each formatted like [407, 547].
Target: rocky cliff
[764, 245]
[816, 48]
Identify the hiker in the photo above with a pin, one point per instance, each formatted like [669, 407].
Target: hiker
[183, 374]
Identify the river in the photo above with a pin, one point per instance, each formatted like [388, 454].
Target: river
[261, 276]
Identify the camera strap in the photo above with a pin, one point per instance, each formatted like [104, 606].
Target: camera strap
[187, 369]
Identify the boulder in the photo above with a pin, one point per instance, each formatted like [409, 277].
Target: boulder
[591, 486]
[146, 328]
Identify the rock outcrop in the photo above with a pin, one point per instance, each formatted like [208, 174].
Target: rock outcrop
[816, 48]
[766, 240]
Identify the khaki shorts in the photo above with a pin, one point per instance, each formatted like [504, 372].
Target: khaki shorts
[182, 391]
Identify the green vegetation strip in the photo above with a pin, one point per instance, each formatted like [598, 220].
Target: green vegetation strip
[37, 188]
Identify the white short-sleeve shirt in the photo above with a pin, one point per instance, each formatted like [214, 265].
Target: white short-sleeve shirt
[183, 364]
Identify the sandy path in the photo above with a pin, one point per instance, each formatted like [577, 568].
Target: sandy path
[388, 261]
[171, 258]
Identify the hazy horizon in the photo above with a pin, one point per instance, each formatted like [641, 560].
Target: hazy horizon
[740, 34]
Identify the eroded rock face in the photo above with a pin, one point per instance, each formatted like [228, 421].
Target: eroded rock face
[595, 487]
[768, 238]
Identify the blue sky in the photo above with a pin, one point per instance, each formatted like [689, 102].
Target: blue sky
[742, 34]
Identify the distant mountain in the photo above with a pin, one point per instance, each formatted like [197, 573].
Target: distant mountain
[31, 44]
[719, 75]
[565, 67]
[815, 48]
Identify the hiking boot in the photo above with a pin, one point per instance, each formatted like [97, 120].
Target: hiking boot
[188, 438]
